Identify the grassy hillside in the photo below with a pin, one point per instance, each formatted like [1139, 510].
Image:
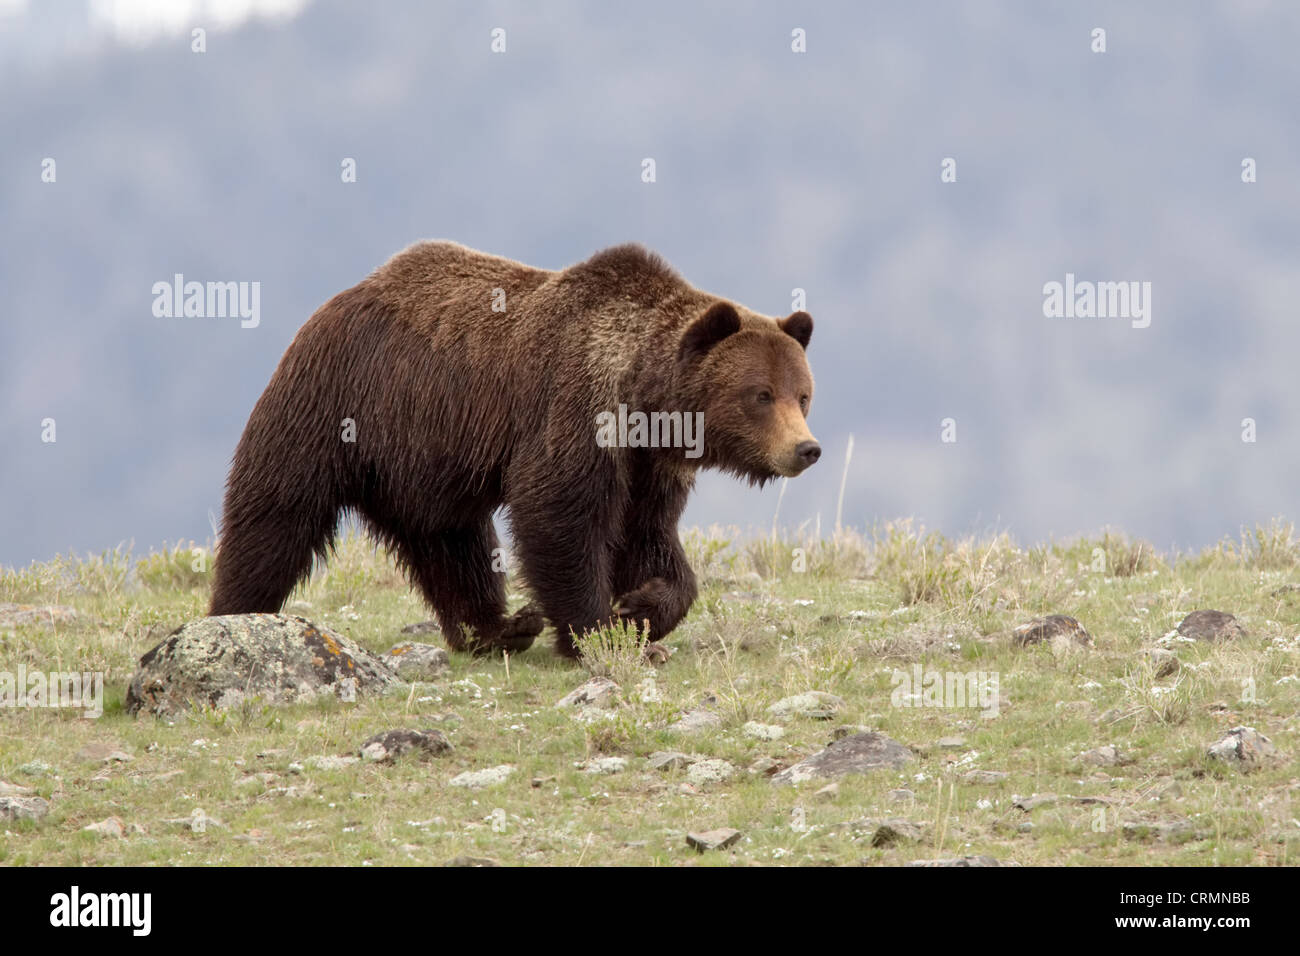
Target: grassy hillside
[859, 610]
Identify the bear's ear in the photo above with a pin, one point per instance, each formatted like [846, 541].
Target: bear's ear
[709, 329]
[799, 327]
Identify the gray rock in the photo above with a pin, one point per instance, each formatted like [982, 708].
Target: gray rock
[984, 777]
[958, 861]
[1034, 802]
[762, 731]
[712, 839]
[13, 790]
[220, 662]
[669, 760]
[23, 808]
[709, 770]
[1213, 626]
[417, 662]
[482, 778]
[1056, 629]
[901, 795]
[1107, 756]
[329, 762]
[47, 615]
[422, 627]
[111, 827]
[860, 753]
[950, 743]
[896, 830]
[702, 717]
[814, 704]
[391, 744]
[597, 692]
[1245, 748]
[474, 861]
[764, 767]
[1166, 831]
[605, 765]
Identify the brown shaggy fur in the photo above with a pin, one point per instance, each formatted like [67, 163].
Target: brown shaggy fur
[461, 410]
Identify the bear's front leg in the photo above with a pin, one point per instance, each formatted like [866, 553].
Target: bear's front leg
[562, 533]
[652, 578]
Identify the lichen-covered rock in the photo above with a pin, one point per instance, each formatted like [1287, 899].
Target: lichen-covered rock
[220, 662]
[23, 808]
[1244, 748]
[20, 615]
[417, 662]
[859, 753]
[388, 746]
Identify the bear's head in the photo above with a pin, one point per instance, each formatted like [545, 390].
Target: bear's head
[751, 380]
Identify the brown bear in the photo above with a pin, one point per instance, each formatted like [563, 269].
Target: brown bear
[451, 383]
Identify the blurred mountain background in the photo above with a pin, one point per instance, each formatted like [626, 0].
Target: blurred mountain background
[775, 170]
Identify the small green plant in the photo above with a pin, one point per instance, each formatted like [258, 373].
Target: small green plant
[616, 651]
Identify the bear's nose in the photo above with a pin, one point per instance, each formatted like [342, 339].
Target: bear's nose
[808, 452]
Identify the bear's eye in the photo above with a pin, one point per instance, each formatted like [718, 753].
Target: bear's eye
[764, 397]
[803, 402]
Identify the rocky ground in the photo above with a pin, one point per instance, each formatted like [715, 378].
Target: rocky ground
[899, 700]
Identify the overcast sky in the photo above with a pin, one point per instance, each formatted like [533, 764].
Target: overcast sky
[776, 170]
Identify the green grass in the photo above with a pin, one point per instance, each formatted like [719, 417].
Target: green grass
[776, 616]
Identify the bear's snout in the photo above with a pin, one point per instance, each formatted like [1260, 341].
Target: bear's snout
[807, 453]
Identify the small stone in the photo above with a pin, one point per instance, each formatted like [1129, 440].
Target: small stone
[1163, 661]
[46, 615]
[482, 778]
[848, 730]
[957, 861]
[901, 795]
[421, 627]
[388, 746]
[1213, 626]
[827, 793]
[1166, 831]
[813, 704]
[23, 808]
[1055, 628]
[699, 718]
[328, 762]
[984, 777]
[605, 765]
[475, 861]
[597, 692]
[417, 662]
[1107, 756]
[1244, 748]
[763, 731]
[950, 743]
[712, 839]
[1034, 802]
[709, 770]
[13, 790]
[111, 827]
[859, 753]
[764, 766]
[669, 760]
[896, 830]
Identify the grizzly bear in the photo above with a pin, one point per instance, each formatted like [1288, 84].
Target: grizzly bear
[451, 383]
